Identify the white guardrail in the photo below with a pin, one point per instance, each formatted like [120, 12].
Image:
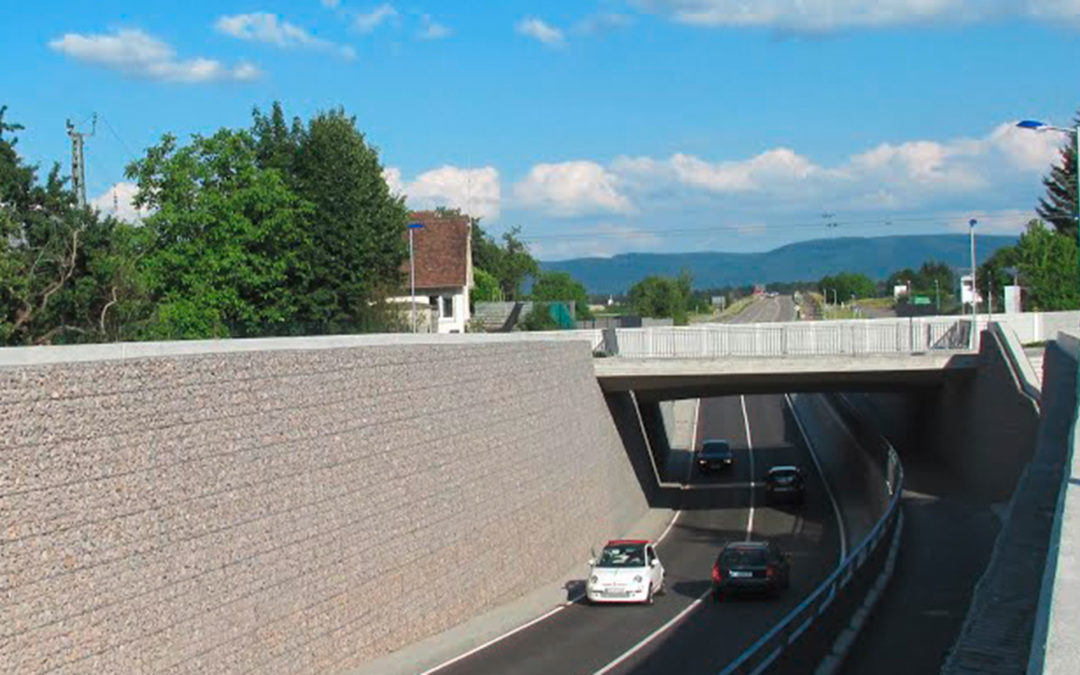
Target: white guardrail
[799, 338]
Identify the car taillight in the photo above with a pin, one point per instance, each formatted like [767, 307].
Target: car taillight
[717, 574]
[770, 572]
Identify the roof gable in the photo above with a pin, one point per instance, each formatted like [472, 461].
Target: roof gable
[441, 250]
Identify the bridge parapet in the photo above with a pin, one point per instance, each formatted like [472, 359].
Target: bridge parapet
[798, 338]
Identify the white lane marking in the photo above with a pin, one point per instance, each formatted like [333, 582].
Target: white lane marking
[487, 644]
[824, 480]
[669, 526]
[750, 453]
[724, 486]
[652, 636]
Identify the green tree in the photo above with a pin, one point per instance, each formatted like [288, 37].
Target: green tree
[556, 286]
[509, 262]
[1059, 205]
[228, 237]
[485, 287]
[847, 285]
[357, 247]
[51, 255]
[1047, 263]
[662, 297]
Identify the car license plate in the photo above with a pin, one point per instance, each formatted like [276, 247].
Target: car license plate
[736, 574]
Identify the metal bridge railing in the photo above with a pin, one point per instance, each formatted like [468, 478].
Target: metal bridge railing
[802, 338]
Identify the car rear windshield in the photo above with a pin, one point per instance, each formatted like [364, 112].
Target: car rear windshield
[622, 555]
[784, 477]
[743, 557]
[716, 448]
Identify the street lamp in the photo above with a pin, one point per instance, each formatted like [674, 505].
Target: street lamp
[974, 287]
[412, 275]
[1036, 125]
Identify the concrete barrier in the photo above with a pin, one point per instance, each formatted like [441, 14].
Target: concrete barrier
[290, 509]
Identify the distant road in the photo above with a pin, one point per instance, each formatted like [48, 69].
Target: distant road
[765, 310]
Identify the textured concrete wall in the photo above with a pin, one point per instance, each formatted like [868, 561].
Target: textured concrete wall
[292, 511]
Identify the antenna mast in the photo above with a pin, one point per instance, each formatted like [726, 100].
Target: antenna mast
[78, 159]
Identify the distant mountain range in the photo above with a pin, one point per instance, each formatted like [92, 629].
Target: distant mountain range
[876, 257]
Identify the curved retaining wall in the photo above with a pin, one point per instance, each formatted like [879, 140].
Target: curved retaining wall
[293, 509]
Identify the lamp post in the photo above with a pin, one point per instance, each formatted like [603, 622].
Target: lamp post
[1036, 125]
[412, 276]
[974, 287]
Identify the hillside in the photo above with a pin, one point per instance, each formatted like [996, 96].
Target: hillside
[876, 257]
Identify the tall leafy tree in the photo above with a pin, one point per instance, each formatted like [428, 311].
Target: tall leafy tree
[356, 247]
[50, 252]
[227, 236]
[1047, 262]
[1058, 207]
[509, 262]
[662, 297]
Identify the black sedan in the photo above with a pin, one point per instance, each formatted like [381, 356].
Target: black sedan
[750, 567]
[785, 484]
[714, 454]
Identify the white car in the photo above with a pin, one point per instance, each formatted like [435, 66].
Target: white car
[628, 570]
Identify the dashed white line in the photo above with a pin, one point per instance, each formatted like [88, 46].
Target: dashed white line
[824, 479]
[750, 454]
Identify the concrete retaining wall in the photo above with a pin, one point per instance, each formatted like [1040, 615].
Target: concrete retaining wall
[292, 510]
[986, 425]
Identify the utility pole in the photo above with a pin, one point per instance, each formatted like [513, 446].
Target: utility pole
[78, 160]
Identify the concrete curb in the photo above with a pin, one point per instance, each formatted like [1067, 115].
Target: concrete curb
[846, 640]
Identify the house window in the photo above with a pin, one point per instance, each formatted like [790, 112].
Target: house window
[448, 307]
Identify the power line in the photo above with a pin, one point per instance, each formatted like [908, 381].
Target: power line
[602, 232]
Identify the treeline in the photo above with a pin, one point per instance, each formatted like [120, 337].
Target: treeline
[284, 228]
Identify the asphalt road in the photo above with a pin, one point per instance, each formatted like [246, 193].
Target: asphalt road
[715, 509]
[765, 310]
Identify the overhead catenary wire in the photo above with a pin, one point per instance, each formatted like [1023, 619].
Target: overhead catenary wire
[603, 231]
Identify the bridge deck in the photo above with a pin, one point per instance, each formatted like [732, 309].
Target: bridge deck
[680, 378]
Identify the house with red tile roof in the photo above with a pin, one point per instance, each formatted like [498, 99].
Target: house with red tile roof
[442, 264]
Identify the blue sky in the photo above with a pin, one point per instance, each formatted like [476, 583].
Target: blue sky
[597, 126]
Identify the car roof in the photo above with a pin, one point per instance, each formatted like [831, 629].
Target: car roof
[784, 467]
[723, 441]
[624, 542]
[746, 545]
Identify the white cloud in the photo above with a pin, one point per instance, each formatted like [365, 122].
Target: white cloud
[476, 192]
[268, 28]
[1026, 149]
[572, 189]
[117, 202]
[139, 54]
[761, 173]
[432, 30]
[828, 15]
[538, 30]
[369, 21]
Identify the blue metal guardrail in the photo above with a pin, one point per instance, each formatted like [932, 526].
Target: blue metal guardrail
[832, 603]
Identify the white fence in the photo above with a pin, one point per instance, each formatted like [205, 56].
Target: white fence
[801, 338]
